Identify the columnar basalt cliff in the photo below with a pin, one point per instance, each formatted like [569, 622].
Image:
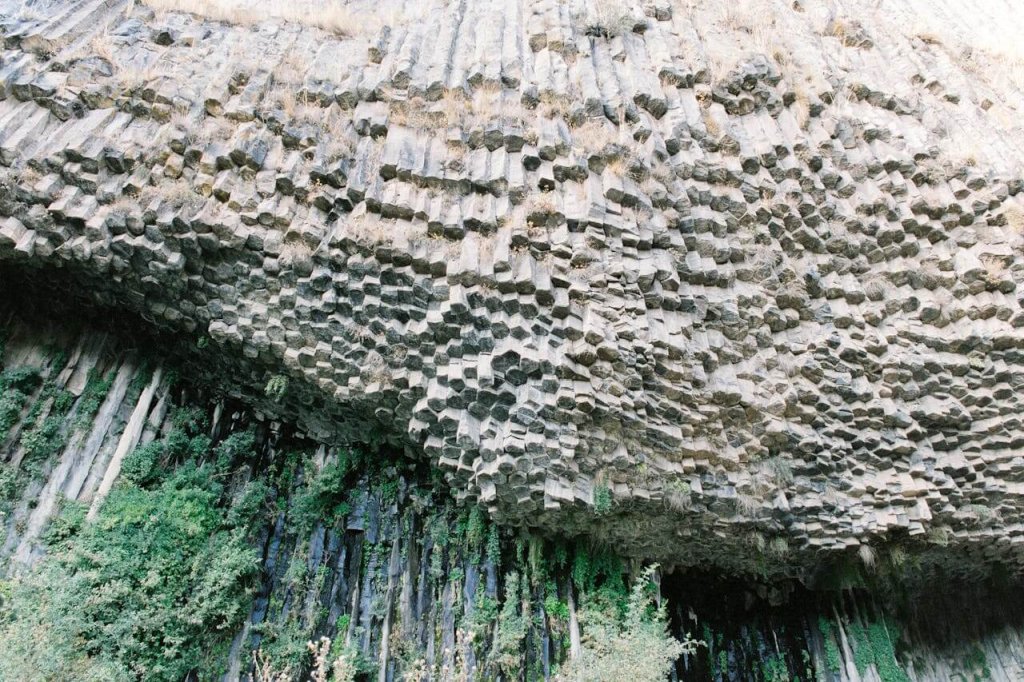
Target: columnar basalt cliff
[732, 286]
[361, 546]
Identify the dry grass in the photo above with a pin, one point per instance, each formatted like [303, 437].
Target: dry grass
[28, 176]
[178, 194]
[331, 15]
[554, 105]
[371, 230]
[1014, 216]
[595, 135]
[294, 252]
[779, 546]
[746, 505]
[484, 104]
[801, 108]
[867, 556]
[124, 205]
[995, 266]
[195, 133]
[678, 495]
[418, 113]
[292, 68]
[132, 77]
[710, 124]
[102, 46]
[743, 15]
[540, 203]
[604, 18]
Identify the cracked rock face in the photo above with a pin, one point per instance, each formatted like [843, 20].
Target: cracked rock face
[732, 285]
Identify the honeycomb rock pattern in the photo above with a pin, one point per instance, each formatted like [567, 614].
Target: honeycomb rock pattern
[683, 280]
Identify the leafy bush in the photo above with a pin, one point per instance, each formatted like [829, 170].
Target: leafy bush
[276, 387]
[325, 497]
[140, 465]
[152, 589]
[96, 389]
[15, 387]
[602, 499]
[511, 630]
[634, 645]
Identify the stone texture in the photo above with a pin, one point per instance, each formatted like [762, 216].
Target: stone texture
[755, 274]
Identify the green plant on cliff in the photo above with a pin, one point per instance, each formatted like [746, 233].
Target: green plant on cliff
[874, 644]
[325, 497]
[48, 435]
[15, 387]
[602, 499]
[152, 589]
[832, 655]
[276, 387]
[633, 644]
[511, 630]
[96, 389]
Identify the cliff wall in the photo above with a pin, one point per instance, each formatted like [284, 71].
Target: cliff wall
[365, 547]
[723, 286]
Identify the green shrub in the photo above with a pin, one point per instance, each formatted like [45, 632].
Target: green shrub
[22, 379]
[141, 464]
[152, 589]
[631, 645]
[43, 440]
[602, 499]
[511, 630]
[276, 387]
[324, 497]
[832, 655]
[96, 389]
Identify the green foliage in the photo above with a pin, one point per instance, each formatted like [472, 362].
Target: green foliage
[976, 663]
[591, 568]
[511, 631]
[23, 379]
[11, 403]
[325, 496]
[633, 644]
[774, 668]
[96, 389]
[141, 464]
[832, 656]
[284, 640]
[862, 654]
[882, 634]
[874, 644]
[556, 609]
[388, 491]
[237, 446]
[46, 436]
[152, 589]
[602, 499]
[67, 524]
[484, 614]
[493, 550]
[192, 420]
[276, 387]
[476, 530]
[43, 440]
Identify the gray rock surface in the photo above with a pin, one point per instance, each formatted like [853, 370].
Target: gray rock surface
[752, 272]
